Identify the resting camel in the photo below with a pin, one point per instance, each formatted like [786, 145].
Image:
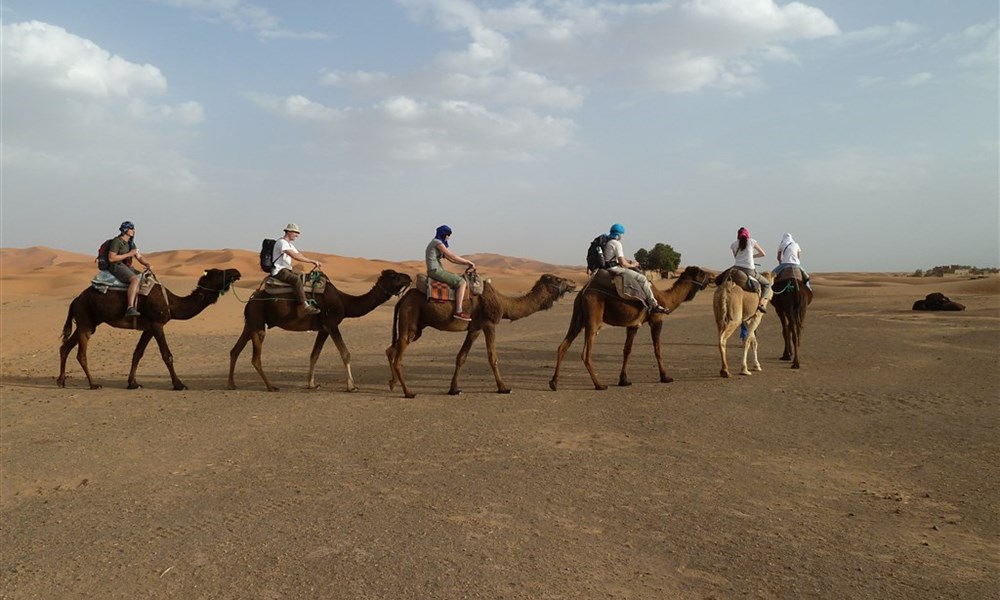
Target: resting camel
[263, 311]
[594, 306]
[91, 308]
[414, 312]
[735, 307]
[791, 297]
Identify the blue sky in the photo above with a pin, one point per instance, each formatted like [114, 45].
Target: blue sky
[868, 129]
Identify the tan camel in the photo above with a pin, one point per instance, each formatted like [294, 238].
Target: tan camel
[413, 313]
[263, 311]
[791, 298]
[596, 305]
[91, 308]
[735, 307]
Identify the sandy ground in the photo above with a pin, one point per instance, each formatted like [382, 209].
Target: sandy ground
[869, 473]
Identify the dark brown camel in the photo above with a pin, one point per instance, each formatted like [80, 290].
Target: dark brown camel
[594, 306]
[91, 308]
[263, 311]
[790, 300]
[413, 313]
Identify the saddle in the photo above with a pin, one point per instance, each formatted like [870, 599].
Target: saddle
[104, 281]
[438, 291]
[741, 278]
[790, 272]
[310, 283]
[615, 283]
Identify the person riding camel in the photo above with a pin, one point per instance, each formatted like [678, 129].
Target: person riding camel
[437, 249]
[745, 249]
[282, 271]
[121, 251]
[614, 256]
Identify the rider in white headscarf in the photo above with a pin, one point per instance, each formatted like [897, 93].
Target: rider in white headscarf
[790, 254]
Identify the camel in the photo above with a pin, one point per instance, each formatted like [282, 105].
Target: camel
[735, 307]
[937, 301]
[791, 297]
[263, 311]
[595, 305]
[414, 312]
[91, 308]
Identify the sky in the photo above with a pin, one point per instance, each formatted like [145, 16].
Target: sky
[867, 129]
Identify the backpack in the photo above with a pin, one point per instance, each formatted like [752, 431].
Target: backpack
[102, 256]
[267, 255]
[595, 253]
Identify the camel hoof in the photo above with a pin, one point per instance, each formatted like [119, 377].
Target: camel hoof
[61, 383]
[271, 388]
[353, 390]
[600, 387]
[747, 373]
[315, 386]
[785, 358]
[724, 374]
[410, 395]
[95, 386]
[454, 392]
[503, 391]
[178, 388]
[666, 379]
[795, 365]
[136, 386]
[552, 385]
[624, 383]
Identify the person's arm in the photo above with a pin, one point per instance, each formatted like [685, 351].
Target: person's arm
[299, 257]
[142, 259]
[758, 252]
[458, 260]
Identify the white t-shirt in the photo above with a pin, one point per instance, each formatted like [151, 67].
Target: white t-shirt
[282, 260]
[612, 250]
[744, 258]
[789, 254]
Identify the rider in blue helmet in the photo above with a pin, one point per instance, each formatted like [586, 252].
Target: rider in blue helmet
[121, 251]
[435, 251]
[614, 255]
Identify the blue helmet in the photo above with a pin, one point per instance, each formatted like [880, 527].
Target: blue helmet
[617, 229]
[125, 226]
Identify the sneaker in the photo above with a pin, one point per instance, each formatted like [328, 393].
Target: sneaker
[310, 310]
[131, 312]
[663, 310]
[461, 316]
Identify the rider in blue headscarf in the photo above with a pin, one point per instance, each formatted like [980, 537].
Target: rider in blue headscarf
[435, 251]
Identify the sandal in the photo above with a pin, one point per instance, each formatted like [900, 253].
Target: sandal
[461, 316]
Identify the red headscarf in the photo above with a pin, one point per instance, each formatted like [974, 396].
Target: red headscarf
[743, 233]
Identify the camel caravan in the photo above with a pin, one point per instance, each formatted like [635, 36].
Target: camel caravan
[615, 294]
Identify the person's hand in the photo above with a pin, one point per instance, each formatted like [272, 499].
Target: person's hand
[317, 263]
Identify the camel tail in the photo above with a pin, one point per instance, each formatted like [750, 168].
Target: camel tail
[68, 325]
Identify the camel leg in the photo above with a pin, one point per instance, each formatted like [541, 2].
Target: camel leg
[491, 354]
[80, 338]
[140, 349]
[655, 329]
[794, 342]
[314, 356]
[561, 353]
[257, 338]
[234, 354]
[749, 344]
[752, 338]
[168, 358]
[726, 331]
[395, 355]
[64, 349]
[786, 334]
[588, 347]
[390, 355]
[630, 332]
[345, 355]
[81, 357]
[463, 354]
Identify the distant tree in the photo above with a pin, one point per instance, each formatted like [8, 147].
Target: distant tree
[918, 273]
[661, 258]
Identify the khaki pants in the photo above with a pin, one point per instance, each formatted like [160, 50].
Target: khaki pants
[292, 278]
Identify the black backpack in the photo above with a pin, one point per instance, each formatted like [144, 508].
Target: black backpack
[267, 255]
[595, 253]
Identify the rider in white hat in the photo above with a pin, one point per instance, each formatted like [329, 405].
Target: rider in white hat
[282, 271]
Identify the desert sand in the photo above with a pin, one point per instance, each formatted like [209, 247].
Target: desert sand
[871, 472]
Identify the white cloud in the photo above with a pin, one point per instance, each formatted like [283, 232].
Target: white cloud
[916, 79]
[244, 16]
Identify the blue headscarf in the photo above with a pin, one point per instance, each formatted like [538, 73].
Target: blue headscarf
[442, 232]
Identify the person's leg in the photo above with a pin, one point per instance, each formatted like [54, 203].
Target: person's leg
[652, 304]
[290, 277]
[460, 296]
[133, 290]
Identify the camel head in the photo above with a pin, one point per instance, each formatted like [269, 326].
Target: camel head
[698, 277]
[219, 280]
[394, 282]
[556, 285]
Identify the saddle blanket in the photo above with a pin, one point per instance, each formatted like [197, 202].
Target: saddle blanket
[276, 287]
[790, 272]
[619, 284]
[741, 278]
[436, 291]
[104, 281]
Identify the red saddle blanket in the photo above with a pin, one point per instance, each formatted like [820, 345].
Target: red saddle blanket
[436, 291]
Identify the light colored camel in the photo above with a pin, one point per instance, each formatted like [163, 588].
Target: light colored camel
[91, 308]
[263, 311]
[596, 305]
[791, 298]
[414, 312]
[734, 307]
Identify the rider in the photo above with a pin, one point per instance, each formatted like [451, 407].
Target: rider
[616, 262]
[282, 270]
[121, 251]
[790, 254]
[745, 249]
[437, 249]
